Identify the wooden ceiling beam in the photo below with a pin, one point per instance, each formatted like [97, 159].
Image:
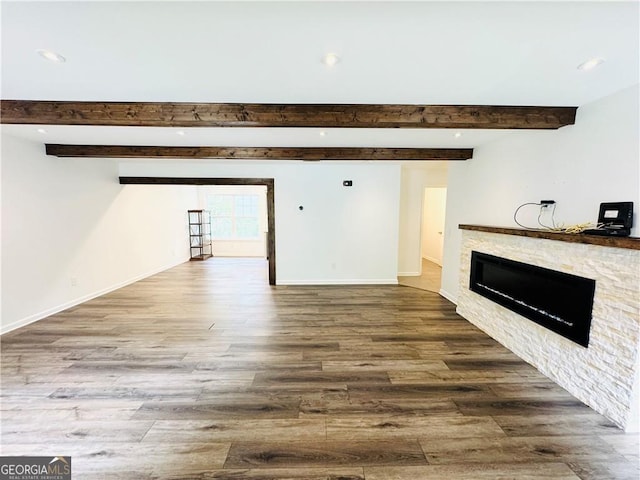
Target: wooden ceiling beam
[136, 114]
[268, 182]
[258, 153]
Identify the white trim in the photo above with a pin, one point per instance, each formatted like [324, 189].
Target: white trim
[409, 274]
[235, 255]
[72, 303]
[452, 298]
[390, 281]
[433, 260]
[236, 240]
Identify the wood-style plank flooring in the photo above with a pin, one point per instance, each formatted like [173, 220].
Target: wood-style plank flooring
[204, 371]
[430, 278]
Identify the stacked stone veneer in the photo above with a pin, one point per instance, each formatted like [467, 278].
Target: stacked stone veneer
[602, 376]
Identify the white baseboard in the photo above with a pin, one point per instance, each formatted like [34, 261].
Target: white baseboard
[433, 260]
[382, 281]
[85, 298]
[409, 274]
[452, 298]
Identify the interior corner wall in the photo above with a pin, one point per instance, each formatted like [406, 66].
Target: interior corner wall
[341, 235]
[71, 232]
[578, 166]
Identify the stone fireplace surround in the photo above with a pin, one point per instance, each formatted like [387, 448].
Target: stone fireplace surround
[602, 375]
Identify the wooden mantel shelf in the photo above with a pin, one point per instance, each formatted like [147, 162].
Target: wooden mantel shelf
[632, 243]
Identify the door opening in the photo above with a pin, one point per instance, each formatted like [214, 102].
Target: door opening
[433, 213]
[270, 199]
[432, 243]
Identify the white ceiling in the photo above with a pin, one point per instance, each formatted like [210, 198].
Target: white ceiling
[263, 137]
[422, 52]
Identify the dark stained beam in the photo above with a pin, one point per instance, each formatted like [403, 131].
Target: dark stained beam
[269, 182]
[259, 153]
[284, 115]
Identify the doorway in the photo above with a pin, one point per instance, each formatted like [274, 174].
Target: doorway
[433, 214]
[431, 228]
[267, 182]
[432, 244]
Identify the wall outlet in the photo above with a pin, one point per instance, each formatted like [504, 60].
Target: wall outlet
[74, 281]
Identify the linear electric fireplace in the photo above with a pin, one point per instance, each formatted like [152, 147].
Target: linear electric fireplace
[558, 301]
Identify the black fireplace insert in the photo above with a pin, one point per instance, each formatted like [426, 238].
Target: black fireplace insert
[556, 300]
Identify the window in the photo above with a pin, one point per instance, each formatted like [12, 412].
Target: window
[235, 217]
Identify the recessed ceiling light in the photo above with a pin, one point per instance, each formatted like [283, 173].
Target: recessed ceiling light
[457, 134]
[330, 59]
[180, 132]
[590, 64]
[41, 130]
[323, 133]
[51, 56]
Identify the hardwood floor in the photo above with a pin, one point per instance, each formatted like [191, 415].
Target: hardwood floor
[430, 279]
[204, 371]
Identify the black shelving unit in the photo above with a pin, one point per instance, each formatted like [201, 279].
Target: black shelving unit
[200, 234]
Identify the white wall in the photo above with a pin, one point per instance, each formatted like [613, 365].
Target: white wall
[71, 232]
[343, 235]
[580, 166]
[415, 177]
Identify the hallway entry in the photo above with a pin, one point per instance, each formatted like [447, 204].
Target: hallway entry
[433, 214]
[429, 224]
